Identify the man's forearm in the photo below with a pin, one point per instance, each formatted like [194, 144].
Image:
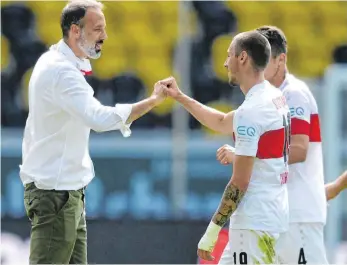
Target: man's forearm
[207, 116]
[334, 188]
[331, 191]
[231, 199]
[141, 108]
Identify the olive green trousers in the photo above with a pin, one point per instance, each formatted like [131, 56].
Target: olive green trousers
[58, 226]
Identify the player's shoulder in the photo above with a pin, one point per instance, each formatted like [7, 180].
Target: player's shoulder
[261, 105]
[270, 98]
[54, 62]
[296, 87]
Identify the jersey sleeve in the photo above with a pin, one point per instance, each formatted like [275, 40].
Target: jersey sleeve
[247, 131]
[300, 113]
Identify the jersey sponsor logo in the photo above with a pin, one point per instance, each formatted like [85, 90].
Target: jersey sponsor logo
[246, 130]
[299, 111]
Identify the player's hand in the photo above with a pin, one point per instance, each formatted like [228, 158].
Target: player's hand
[205, 247]
[225, 154]
[171, 87]
[205, 255]
[159, 93]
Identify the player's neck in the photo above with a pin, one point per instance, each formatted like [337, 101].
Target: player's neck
[280, 77]
[252, 80]
[75, 49]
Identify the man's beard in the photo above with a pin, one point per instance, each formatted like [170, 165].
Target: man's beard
[90, 50]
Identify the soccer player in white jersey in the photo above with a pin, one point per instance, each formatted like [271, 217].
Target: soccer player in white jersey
[255, 199]
[304, 241]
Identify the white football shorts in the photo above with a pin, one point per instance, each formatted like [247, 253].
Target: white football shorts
[250, 247]
[302, 244]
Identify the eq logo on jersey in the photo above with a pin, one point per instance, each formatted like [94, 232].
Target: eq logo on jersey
[246, 130]
[299, 111]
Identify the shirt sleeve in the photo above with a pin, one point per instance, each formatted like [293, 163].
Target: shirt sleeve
[74, 95]
[247, 133]
[300, 113]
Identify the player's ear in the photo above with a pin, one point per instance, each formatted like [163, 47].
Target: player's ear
[283, 58]
[243, 57]
[75, 30]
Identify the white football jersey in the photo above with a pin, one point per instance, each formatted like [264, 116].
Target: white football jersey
[262, 130]
[306, 192]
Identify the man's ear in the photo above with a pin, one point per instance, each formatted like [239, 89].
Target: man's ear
[283, 59]
[75, 30]
[243, 57]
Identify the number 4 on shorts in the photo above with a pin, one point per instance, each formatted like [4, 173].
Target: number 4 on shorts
[302, 259]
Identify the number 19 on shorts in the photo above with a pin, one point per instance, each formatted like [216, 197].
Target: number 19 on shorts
[240, 258]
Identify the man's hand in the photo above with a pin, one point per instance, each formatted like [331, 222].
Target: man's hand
[159, 93]
[225, 154]
[208, 241]
[205, 255]
[209, 117]
[144, 106]
[171, 87]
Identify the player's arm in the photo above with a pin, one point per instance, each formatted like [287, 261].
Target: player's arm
[214, 119]
[300, 126]
[334, 188]
[209, 117]
[298, 148]
[234, 191]
[72, 95]
[246, 146]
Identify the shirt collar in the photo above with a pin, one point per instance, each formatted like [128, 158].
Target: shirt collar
[255, 88]
[81, 64]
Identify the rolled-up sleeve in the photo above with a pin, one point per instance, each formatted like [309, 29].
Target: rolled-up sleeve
[74, 95]
[124, 111]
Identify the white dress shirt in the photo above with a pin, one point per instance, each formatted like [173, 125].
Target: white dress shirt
[62, 110]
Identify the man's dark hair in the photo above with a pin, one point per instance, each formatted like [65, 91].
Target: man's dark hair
[74, 12]
[256, 46]
[276, 38]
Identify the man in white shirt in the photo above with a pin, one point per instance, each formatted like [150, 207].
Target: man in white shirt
[304, 241]
[255, 199]
[56, 166]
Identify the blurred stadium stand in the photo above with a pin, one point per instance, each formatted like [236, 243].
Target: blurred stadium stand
[141, 49]
[142, 41]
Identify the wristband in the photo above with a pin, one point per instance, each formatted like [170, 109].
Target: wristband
[210, 237]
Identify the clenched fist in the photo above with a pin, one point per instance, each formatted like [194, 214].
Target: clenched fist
[225, 154]
[159, 92]
[171, 87]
